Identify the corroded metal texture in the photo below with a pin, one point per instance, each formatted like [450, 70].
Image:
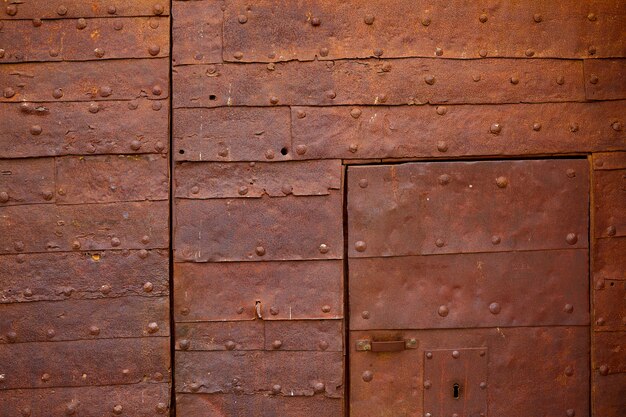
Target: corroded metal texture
[605, 79]
[198, 40]
[56, 9]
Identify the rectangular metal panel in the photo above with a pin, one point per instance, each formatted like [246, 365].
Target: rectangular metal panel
[609, 304]
[287, 228]
[26, 181]
[414, 209]
[406, 81]
[608, 257]
[232, 134]
[110, 178]
[232, 180]
[307, 30]
[470, 290]
[116, 127]
[92, 39]
[260, 373]
[46, 228]
[80, 275]
[605, 79]
[85, 363]
[320, 335]
[138, 400]
[457, 130]
[220, 335]
[609, 160]
[84, 81]
[197, 32]
[609, 395]
[55, 9]
[219, 405]
[285, 290]
[531, 371]
[55, 321]
[610, 203]
[608, 352]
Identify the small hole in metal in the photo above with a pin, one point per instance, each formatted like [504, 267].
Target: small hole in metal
[212, 97]
[284, 151]
[456, 391]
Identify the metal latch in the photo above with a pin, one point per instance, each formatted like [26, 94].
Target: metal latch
[385, 345]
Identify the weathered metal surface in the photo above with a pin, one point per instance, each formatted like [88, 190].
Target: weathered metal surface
[109, 178]
[605, 79]
[413, 209]
[537, 288]
[289, 228]
[84, 39]
[55, 9]
[610, 203]
[85, 363]
[531, 371]
[406, 81]
[608, 259]
[142, 400]
[609, 303]
[232, 180]
[81, 275]
[268, 31]
[232, 134]
[609, 395]
[84, 81]
[320, 335]
[103, 127]
[285, 290]
[218, 405]
[260, 373]
[609, 160]
[197, 32]
[26, 181]
[120, 317]
[609, 352]
[450, 131]
[45, 228]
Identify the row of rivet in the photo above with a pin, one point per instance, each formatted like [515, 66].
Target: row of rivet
[274, 311]
[104, 91]
[72, 408]
[62, 10]
[318, 387]
[185, 344]
[115, 242]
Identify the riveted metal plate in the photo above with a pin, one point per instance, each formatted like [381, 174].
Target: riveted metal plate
[455, 382]
[26, 181]
[413, 209]
[258, 372]
[105, 179]
[457, 130]
[609, 160]
[220, 335]
[515, 368]
[320, 335]
[80, 275]
[457, 29]
[85, 363]
[92, 39]
[609, 304]
[286, 290]
[231, 180]
[138, 126]
[287, 228]
[55, 9]
[608, 351]
[609, 395]
[232, 134]
[608, 262]
[45, 228]
[84, 81]
[470, 290]
[610, 203]
[406, 81]
[197, 32]
[605, 79]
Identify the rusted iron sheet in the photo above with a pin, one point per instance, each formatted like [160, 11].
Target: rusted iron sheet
[197, 32]
[232, 134]
[260, 373]
[26, 181]
[84, 319]
[115, 127]
[609, 203]
[413, 209]
[320, 335]
[218, 405]
[85, 363]
[84, 81]
[609, 304]
[608, 350]
[608, 257]
[84, 39]
[46, 228]
[289, 228]
[232, 180]
[225, 335]
[448, 131]
[142, 400]
[531, 370]
[79, 275]
[285, 290]
[605, 79]
[609, 160]
[268, 31]
[55, 9]
[109, 178]
[406, 81]
[538, 288]
[609, 395]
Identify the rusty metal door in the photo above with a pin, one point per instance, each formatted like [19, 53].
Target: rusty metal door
[469, 288]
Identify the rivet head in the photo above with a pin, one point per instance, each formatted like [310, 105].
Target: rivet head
[323, 248]
[11, 336]
[148, 286]
[315, 21]
[368, 19]
[274, 100]
[2, 52]
[570, 412]
[360, 246]
[574, 127]
[50, 333]
[45, 377]
[444, 179]
[514, 80]
[94, 108]
[440, 243]
[243, 190]
[301, 149]
[378, 52]
[592, 17]
[156, 106]
[476, 77]
[428, 384]
[62, 10]
[28, 292]
[135, 145]
[456, 354]
[617, 126]
[286, 189]
[94, 330]
[536, 127]
[429, 355]
[568, 308]
[324, 51]
[57, 93]
[592, 50]
[571, 238]
[300, 114]
[483, 18]
[593, 79]
[365, 314]
[26, 411]
[115, 242]
[259, 250]
[157, 90]
[230, 345]
[569, 371]
[483, 385]
[276, 344]
[494, 308]
[482, 53]
[194, 190]
[35, 130]
[238, 55]
[105, 91]
[326, 308]
[442, 146]
[604, 370]
[53, 52]
[158, 9]
[98, 52]
[560, 80]
[367, 376]
[495, 239]
[242, 18]
[8, 92]
[183, 344]
[117, 409]
[153, 327]
[443, 311]
[529, 52]
[161, 408]
[429, 79]
[319, 387]
[537, 18]
[355, 113]
[276, 389]
[353, 147]
[611, 230]
[194, 387]
[438, 51]
[441, 110]
[330, 94]
[502, 182]
[495, 128]
[426, 21]
[363, 183]
[154, 50]
[105, 289]
[118, 25]
[11, 9]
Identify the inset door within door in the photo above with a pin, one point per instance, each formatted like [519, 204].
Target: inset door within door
[469, 288]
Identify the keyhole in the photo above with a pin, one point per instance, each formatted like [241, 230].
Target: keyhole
[456, 391]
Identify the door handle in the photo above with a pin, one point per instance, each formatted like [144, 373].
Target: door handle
[385, 345]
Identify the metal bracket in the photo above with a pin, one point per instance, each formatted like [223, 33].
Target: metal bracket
[385, 345]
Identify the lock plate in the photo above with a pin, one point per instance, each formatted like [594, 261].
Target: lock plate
[455, 382]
